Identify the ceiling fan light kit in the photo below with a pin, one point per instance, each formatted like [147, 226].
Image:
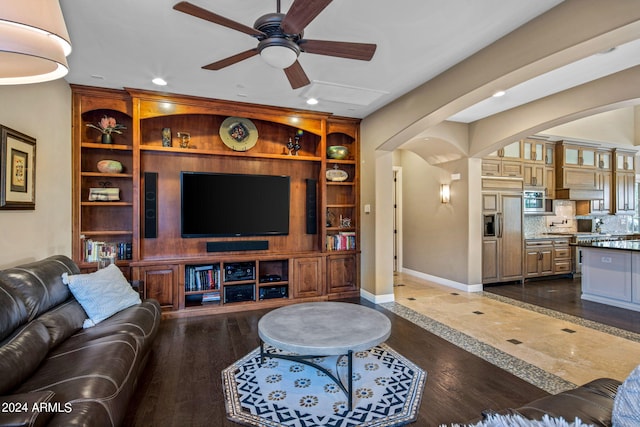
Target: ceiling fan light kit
[279, 53]
[280, 38]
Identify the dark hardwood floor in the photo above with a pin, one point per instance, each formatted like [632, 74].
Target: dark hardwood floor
[182, 383]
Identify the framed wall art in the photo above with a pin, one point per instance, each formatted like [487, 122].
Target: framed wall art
[17, 170]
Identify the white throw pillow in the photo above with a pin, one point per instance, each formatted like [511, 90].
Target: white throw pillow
[101, 294]
[626, 405]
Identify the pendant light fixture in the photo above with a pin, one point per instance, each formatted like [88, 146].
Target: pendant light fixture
[34, 42]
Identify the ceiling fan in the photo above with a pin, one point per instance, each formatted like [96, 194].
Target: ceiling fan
[280, 38]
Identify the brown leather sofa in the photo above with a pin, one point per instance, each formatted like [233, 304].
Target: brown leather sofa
[53, 372]
[592, 403]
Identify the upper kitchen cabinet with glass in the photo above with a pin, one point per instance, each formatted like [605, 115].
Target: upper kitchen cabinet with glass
[506, 161]
[577, 155]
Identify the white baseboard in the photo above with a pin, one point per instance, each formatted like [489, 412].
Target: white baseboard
[445, 282]
[376, 299]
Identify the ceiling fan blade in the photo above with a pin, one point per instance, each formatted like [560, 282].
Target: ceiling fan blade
[296, 75]
[218, 65]
[301, 13]
[360, 51]
[198, 12]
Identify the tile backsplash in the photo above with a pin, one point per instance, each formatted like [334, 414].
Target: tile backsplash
[564, 220]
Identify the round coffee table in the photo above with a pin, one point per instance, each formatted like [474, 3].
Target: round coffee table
[317, 329]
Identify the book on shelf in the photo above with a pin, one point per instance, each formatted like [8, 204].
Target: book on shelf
[343, 241]
[211, 297]
[92, 250]
[202, 277]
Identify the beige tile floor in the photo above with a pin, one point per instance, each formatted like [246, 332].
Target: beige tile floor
[578, 355]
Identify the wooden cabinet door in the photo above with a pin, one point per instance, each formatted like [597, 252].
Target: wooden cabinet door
[489, 261]
[342, 273]
[546, 261]
[550, 182]
[160, 283]
[531, 261]
[308, 277]
[511, 240]
[625, 192]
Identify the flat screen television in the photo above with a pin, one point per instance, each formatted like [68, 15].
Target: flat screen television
[224, 205]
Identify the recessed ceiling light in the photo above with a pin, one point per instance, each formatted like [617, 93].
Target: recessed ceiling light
[159, 81]
[312, 101]
[499, 93]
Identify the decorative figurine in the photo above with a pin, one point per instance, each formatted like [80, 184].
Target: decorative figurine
[293, 145]
[166, 137]
[185, 139]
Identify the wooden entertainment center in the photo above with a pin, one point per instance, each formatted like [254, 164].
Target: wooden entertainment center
[308, 264]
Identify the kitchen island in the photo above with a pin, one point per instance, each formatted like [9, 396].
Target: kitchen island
[611, 273]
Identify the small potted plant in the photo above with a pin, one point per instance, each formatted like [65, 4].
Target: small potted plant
[107, 126]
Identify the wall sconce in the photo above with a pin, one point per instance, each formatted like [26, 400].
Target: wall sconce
[445, 193]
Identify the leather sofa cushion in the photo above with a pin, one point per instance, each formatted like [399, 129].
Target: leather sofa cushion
[63, 321]
[21, 353]
[39, 284]
[79, 376]
[13, 313]
[140, 321]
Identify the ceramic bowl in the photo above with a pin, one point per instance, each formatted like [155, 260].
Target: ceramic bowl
[109, 166]
[337, 152]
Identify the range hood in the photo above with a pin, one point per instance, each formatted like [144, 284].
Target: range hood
[578, 194]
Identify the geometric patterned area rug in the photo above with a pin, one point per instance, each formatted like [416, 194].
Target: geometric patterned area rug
[387, 389]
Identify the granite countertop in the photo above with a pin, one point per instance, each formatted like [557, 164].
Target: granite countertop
[547, 236]
[625, 245]
[560, 235]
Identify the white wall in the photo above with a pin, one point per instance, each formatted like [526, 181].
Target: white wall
[42, 111]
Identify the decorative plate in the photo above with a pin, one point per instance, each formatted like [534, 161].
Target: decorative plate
[337, 175]
[238, 133]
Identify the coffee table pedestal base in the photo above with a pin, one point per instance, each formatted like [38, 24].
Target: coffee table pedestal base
[348, 389]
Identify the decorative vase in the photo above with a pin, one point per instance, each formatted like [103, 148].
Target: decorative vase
[338, 152]
[109, 166]
[106, 138]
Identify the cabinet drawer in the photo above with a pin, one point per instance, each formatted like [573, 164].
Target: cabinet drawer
[563, 266]
[562, 253]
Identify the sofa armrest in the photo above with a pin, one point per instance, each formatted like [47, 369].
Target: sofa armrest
[28, 409]
[592, 403]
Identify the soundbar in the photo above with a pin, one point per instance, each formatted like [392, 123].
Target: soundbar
[238, 245]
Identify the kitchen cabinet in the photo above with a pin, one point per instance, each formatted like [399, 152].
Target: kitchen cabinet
[603, 160]
[576, 155]
[550, 182]
[624, 160]
[538, 258]
[545, 257]
[562, 260]
[533, 174]
[550, 154]
[625, 193]
[506, 161]
[624, 181]
[502, 241]
[533, 151]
